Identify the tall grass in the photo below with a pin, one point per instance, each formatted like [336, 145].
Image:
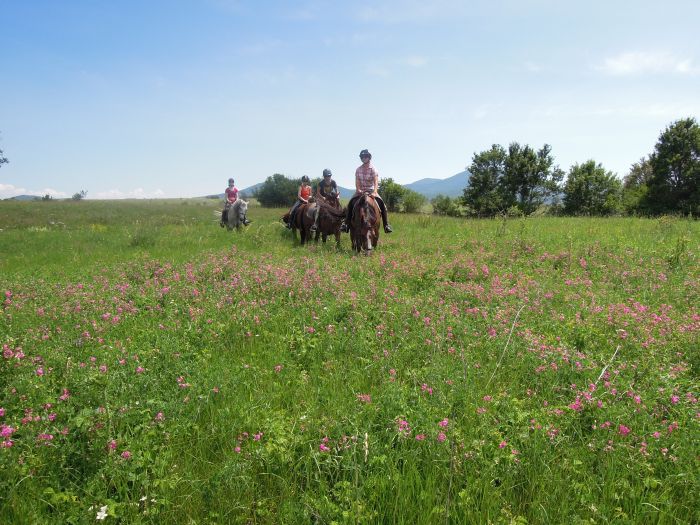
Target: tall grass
[186, 374]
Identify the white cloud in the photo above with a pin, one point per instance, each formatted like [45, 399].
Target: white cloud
[8, 191]
[532, 67]
[415, 61]
[376, 70]
[638, 63]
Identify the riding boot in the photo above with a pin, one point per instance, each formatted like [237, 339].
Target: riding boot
[385, 219]
[345, 226]
[223, 219]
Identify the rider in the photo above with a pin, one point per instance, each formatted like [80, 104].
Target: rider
[303, 196]
[327, 190]
[366, 181]
[231, 196]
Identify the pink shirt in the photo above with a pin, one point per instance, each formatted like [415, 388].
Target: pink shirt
[231, 194]
[365, 176]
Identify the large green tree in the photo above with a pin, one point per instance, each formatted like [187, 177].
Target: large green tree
[278, 191]
[675, 180]
[444, 205]
[521, 177]
[412, 201]
[636, 185]
[591, 190]
[530, 177]
[392, 193]
[483, 196]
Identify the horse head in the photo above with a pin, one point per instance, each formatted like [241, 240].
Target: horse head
[365, 227]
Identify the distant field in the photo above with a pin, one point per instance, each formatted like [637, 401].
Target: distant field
[158, 369]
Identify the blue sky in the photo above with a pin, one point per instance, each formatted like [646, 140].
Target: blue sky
[155, 98]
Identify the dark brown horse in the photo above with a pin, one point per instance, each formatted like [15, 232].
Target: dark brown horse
[364, 226]
[328, 220]
[303, 220]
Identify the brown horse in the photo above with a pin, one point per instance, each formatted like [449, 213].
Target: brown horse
[364, 226]
[328, 220]
[303, 220]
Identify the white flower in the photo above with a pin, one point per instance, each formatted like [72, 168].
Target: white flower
[102, 514]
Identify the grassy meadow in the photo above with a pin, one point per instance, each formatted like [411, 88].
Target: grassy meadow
[158, 369]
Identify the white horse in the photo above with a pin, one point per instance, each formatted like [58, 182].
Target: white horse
[236, 215]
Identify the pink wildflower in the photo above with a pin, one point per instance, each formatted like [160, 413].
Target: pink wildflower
[441, 437]
[126, 454]
[420, 437]
[623, 430]
[444, 423]
[502, 444]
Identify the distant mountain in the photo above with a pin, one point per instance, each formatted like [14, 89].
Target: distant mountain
[24, 198]
[450, 187]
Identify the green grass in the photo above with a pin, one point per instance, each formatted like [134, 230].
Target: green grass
[307, 384]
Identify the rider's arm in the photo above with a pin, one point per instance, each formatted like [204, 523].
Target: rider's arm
[376, 183]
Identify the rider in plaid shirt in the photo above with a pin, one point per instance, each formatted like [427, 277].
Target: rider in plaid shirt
[366, 181]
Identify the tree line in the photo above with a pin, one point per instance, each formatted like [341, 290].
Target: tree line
[520, 180]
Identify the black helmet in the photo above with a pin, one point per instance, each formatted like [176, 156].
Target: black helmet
[230, 181]
[305, 178]
[365, 153]
[327, 173]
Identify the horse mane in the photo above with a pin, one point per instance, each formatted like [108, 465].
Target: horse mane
[335, 212]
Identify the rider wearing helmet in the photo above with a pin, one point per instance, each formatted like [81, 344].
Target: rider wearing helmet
[327, 190]
[366, 181]
[231, 196]
[303, 196]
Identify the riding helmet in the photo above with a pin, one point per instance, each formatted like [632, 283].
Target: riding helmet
[305, 178]
[230, 181]
[327, 173]
[365, 153]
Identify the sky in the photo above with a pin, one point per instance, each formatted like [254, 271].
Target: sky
[166, 99]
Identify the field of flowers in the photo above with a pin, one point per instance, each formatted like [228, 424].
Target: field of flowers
[157, 369]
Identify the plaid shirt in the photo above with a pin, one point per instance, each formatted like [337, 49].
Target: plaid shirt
[364, 177]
